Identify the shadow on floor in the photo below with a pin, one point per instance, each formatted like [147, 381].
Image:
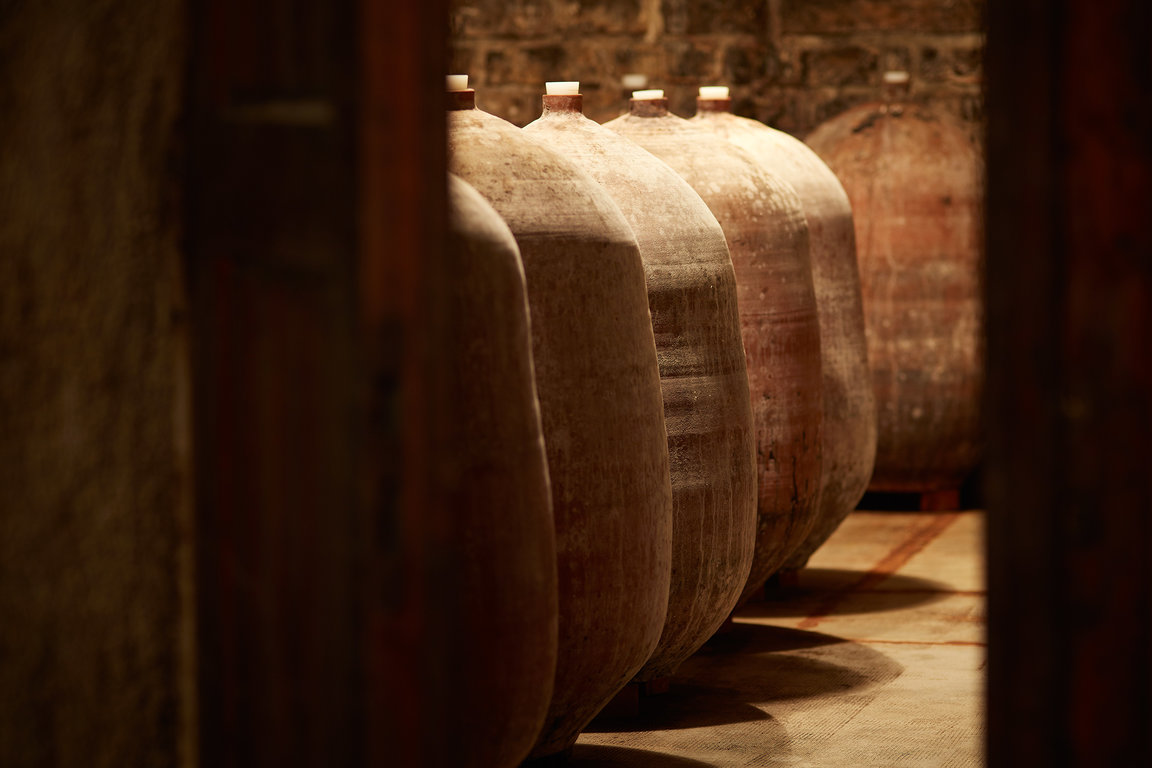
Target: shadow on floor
[746, 638]
[597, 756]
[687, 705]
[766, 663]
[753, 664]
[829, 591]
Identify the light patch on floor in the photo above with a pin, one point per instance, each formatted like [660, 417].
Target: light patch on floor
[873, 660]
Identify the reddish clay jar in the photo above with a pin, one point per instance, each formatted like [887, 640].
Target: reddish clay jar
[913, 179]
[502, 537]
[600, 402]
[692, 298]
[849, 440]
[768, 240]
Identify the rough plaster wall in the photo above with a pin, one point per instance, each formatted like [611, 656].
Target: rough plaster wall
[790, 63]
[94, 499]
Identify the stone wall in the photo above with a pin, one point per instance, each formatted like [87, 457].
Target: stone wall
[95, 609]
[791, 63]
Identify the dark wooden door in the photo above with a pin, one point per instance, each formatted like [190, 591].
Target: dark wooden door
[315, 207]
[1070, 383]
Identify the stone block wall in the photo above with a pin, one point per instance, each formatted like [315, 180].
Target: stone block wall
[790, 63]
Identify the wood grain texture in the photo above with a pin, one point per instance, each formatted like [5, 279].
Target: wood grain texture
[272, 259]
[1070, 384]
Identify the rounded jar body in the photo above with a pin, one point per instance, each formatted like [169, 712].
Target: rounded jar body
[599, 390]
[692, 299]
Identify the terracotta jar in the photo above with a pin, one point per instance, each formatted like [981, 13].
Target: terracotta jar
[692, 298]
[849, 442]
[599, 390]
[502, 536]
[913, 179]
[768, 239]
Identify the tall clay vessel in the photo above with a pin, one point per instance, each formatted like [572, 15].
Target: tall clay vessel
[768, 239]
[501, 538]
[692, 298]
[849, 442]
[599, 390]
[913, 179]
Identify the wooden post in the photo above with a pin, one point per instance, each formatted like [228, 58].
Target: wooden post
[314, 225]
[403, 231]
[1070, 383]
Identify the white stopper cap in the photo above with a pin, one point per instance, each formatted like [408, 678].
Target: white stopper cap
[457, 82]
[655, 93]
[895, 77]
[563, 88]
[713, 91]
[634, 81]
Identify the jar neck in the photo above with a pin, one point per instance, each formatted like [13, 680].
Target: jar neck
[461, 100]
[564, 103]
[896, 92]
[713, 105]
[648, 107]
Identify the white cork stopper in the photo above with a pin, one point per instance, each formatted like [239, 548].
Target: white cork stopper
[713, 91]
[656, 93]
[895, 77]
[457, 82]
[563, 88]
[634, 81]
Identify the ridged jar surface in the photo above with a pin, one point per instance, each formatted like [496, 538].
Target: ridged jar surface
[599, 390]
[913, 179]
[692, 298]
[768, 240]
[502, 541]
[849, 438]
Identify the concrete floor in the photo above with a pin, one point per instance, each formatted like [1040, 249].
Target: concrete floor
[874, 659]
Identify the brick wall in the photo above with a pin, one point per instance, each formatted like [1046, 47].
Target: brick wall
[790, 63]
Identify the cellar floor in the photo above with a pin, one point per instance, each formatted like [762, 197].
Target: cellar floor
[874, 658]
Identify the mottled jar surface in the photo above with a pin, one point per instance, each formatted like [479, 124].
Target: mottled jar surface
[849, 438]
[599, 389]
[692, 299]
[914, 181]
[768, 240]
[496, 476]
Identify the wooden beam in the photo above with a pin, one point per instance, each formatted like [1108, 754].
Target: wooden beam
[1069, 265]
[315, 222]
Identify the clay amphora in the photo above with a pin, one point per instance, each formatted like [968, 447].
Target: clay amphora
[914, 181]
[500, 546]
[692, 297]
[599, 390]
[849, 441]
[768, 239]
